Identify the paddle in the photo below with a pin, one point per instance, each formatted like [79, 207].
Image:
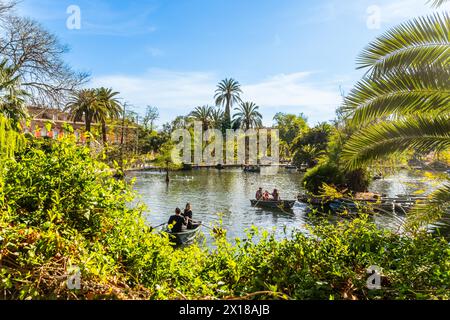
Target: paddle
[215, 230]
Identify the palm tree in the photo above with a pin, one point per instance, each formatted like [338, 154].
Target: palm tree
[83, 105]
[217, 116]
[227, 94]
[403, 102]
[12, 97]
[110, 108]
[248, 116]
[203, 115]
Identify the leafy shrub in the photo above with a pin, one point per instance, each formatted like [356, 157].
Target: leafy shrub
[60, 208]
[327, 173]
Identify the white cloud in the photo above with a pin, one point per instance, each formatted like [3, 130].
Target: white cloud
[401, 10]
[295, 93]
[177, 93]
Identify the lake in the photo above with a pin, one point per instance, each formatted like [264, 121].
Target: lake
[212, 192]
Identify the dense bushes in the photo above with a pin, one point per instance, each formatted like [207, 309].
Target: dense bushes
[59, 208]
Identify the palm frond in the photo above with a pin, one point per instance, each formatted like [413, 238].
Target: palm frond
[428, 212]
[420, 133]
[420, 42]
[437, 3]
[400, 93]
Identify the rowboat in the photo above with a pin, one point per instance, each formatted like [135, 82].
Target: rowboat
[272, 204]
[252, 169]
[361, 202]
[186, 236]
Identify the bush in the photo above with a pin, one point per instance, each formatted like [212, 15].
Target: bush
[327, 173]
[60, 208]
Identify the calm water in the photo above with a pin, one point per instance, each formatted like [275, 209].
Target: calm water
[228, 192]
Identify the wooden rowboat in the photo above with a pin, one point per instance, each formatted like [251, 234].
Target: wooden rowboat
[272, 204]
[186, 236]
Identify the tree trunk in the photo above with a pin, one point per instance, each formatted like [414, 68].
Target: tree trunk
[104, 133]
[167, 175]
[228, 113]
[88, 130]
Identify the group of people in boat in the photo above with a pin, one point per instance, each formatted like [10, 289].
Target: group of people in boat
[181, 221]
[266, 196]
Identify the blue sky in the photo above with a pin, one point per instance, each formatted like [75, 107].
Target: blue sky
[289, 55]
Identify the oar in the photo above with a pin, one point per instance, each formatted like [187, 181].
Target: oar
[201, 223]
[162, 224]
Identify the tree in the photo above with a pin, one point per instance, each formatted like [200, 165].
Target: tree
[403, 102]
[217, 117]
[36, 58]
[228, 93]
[83, 105]
[248, 116]
[290, 127]
[110, 108]
[202, 114]
[12, 97]
[151, 115]
[310, 146]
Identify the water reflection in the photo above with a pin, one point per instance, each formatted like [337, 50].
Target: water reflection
[227, 194]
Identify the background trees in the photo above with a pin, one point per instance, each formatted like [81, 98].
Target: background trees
[151, 115]
[290, 127]
[202, 114]
[228, 93]
[12, 96]
[110, 108]
[35, 56]
[248, 116]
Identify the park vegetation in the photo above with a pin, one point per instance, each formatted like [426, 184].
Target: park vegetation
[61, 205]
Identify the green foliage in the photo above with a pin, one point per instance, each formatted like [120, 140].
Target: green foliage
[403, 101]
[248, 116]
[60, 208]
[290, 127]
[10, 139]
[327, 173]
[228, 93]
[12, 96]
[310, 146]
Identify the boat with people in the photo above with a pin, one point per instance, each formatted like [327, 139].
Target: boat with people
[273, 204]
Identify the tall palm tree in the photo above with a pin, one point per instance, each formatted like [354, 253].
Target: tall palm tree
[403, 102]
[227, 94]
[248, 115]
[203, 115]
[110, 108]
[12, 97]
[83, 105]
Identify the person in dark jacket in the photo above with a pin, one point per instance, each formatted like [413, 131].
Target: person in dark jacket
[187, 214]
[177, 221]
